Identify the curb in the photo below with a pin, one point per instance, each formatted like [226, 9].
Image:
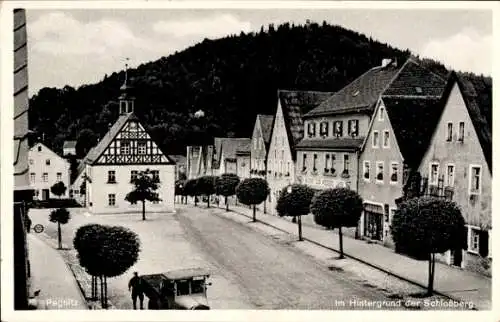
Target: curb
[356, 259]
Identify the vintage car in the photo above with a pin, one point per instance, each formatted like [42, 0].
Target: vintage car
[181, 289]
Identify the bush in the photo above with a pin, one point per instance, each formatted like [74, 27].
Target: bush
[58, 188]
[252, 191]
[427, 225]
[337, 208]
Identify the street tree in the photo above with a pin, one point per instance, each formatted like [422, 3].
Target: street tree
[206, 186]
[179, 189]
[191, 189]
[58, 189]
[60, 216]
[295, 201]
[427, 225]
[106, 251]
[86, 242]
[145, 186]
[226, 186]
[252, 192]
[337, 208]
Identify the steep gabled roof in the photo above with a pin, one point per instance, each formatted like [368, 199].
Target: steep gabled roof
[415, 80]
[294, 105]
[413, 121]
[230, 147]
[360, 95]
[474, 98]
[266, 126]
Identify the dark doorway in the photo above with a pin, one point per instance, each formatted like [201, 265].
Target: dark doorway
[456, 257]
[45, 194]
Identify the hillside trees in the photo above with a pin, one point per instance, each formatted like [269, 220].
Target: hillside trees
[220, 76]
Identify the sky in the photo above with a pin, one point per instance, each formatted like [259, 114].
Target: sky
[75, 47]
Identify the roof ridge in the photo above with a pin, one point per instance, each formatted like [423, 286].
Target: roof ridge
[427, 69]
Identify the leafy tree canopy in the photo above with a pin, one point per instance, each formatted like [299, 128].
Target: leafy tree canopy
[339, 207]
[60, 215]
[428, 225]
[295, 200]
[106, 250]
[191, 187]
[145, 187]
[206, 185]
[252, 191]
[226, 184]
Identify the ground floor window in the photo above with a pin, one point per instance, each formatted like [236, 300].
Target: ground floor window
[111, 199]
[479, 241]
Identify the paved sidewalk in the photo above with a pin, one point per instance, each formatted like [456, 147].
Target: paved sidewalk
[459, 284]
[51, 275]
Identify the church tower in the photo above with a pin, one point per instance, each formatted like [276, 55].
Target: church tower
[126, 98]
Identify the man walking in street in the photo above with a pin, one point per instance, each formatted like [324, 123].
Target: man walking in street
[135, 285]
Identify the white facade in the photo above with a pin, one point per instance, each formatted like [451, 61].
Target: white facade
[45, 169]
[280, 165]
[100, 193]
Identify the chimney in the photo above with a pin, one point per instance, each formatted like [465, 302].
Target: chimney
[386, 62]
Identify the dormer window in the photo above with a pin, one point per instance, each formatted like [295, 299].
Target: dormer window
[419, 90]
[355, 93]
[337, 129]
[323, 129]
[311, 129]
[352, 128]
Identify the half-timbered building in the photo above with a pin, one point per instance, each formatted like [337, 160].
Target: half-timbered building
[106, 173]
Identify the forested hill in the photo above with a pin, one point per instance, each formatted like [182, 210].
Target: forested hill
[231, 79]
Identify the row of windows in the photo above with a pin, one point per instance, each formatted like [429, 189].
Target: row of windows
[125, 147]
[449, 176]
[329, 163]
[45, 177]
[376, 140]
[47, 161]
[461, 132]
[380, 172]
[133, 175]
[338, 128]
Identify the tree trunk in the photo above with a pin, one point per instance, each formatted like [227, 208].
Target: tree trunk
[265, 210]
[299, 223]
[254, 220]
[102, 291]
[227, 204]
[208, 201]
[144, 210]
[294, 220]
[195, 201]
[59, 235]
[430, 285]
[341, 244]
[105, 292]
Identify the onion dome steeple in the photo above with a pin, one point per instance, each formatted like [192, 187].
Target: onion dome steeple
[126, 99]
